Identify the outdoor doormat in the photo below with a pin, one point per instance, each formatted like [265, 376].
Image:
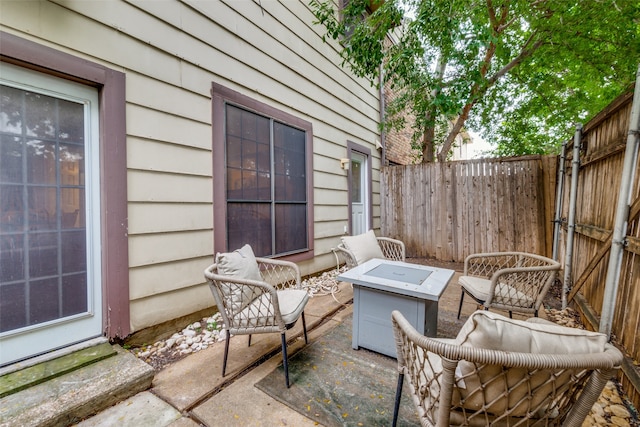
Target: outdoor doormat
[335, 385]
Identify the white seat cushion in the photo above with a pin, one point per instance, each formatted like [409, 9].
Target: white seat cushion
[363, 246]
[476, 286]
[260, 312]
[292, 303]
[479, 288]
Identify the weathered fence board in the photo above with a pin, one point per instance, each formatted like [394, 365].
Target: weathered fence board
[601, 159]
[450, 210]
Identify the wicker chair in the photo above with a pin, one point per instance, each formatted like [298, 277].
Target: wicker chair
[513, 281]
[257, 296]
[478, 381]
[357, 249]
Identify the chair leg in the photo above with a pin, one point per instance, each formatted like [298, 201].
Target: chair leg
[285, 362]
[460, 308]
[249, 345]
[510, 314]
[226, 352]
[304, 329]
[396, 406]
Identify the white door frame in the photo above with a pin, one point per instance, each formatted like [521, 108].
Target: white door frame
[357, 151]
[63, 331]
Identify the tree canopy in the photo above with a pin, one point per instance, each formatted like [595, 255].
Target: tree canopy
[521, 73]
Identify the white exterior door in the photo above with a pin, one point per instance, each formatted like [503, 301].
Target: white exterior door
[50, 268]
[359, 194]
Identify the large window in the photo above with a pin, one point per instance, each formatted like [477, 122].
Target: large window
[265, 154]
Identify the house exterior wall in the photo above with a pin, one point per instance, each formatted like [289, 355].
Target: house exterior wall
[171, 51]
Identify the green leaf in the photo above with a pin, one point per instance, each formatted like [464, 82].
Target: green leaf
[525, 80]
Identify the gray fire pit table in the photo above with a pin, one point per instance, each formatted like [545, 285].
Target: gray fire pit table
[381, 286]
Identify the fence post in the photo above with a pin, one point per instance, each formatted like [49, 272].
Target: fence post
[559, 198]
[571, 225]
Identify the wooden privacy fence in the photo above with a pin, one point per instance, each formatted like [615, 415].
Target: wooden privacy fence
[450, 210]
[601, 159]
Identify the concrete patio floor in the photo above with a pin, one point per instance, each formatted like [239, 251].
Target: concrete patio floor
[192, 392]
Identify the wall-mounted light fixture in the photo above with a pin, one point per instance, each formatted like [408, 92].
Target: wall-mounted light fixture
[344, 164]
[378, 145]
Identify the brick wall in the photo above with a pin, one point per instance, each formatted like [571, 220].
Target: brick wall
[398, 142]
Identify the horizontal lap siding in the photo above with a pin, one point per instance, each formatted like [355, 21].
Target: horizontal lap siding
[165, 277]
[176, 217]
[171, 52]
[450, 210]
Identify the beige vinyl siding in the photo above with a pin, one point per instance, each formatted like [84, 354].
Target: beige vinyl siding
[149, 309]
[158, 279]
[173, 100]
[155, 124]
[335, 213]
[171, 52]
[144, 218]
[148, 249]
[146, 154]
[167, 187]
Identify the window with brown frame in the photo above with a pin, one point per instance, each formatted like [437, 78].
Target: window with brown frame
[267, 178]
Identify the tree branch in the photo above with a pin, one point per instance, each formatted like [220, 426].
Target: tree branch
[477, 90]
[505, 12]
[492, 14]
[515, 61]
[457, 127]
[506, 25]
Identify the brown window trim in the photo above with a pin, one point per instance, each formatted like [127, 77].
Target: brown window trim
[113, 164]
[221, 95]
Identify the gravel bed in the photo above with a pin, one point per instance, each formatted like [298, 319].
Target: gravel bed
[193, 338]
[612, 408]
[208, 331]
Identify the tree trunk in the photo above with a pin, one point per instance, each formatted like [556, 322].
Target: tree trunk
[428, 150]
[457, 127]
[428, 139]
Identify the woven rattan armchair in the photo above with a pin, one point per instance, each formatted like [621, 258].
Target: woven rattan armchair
[475, 380]
[513, 281]
[357, 249]
[257, 296]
